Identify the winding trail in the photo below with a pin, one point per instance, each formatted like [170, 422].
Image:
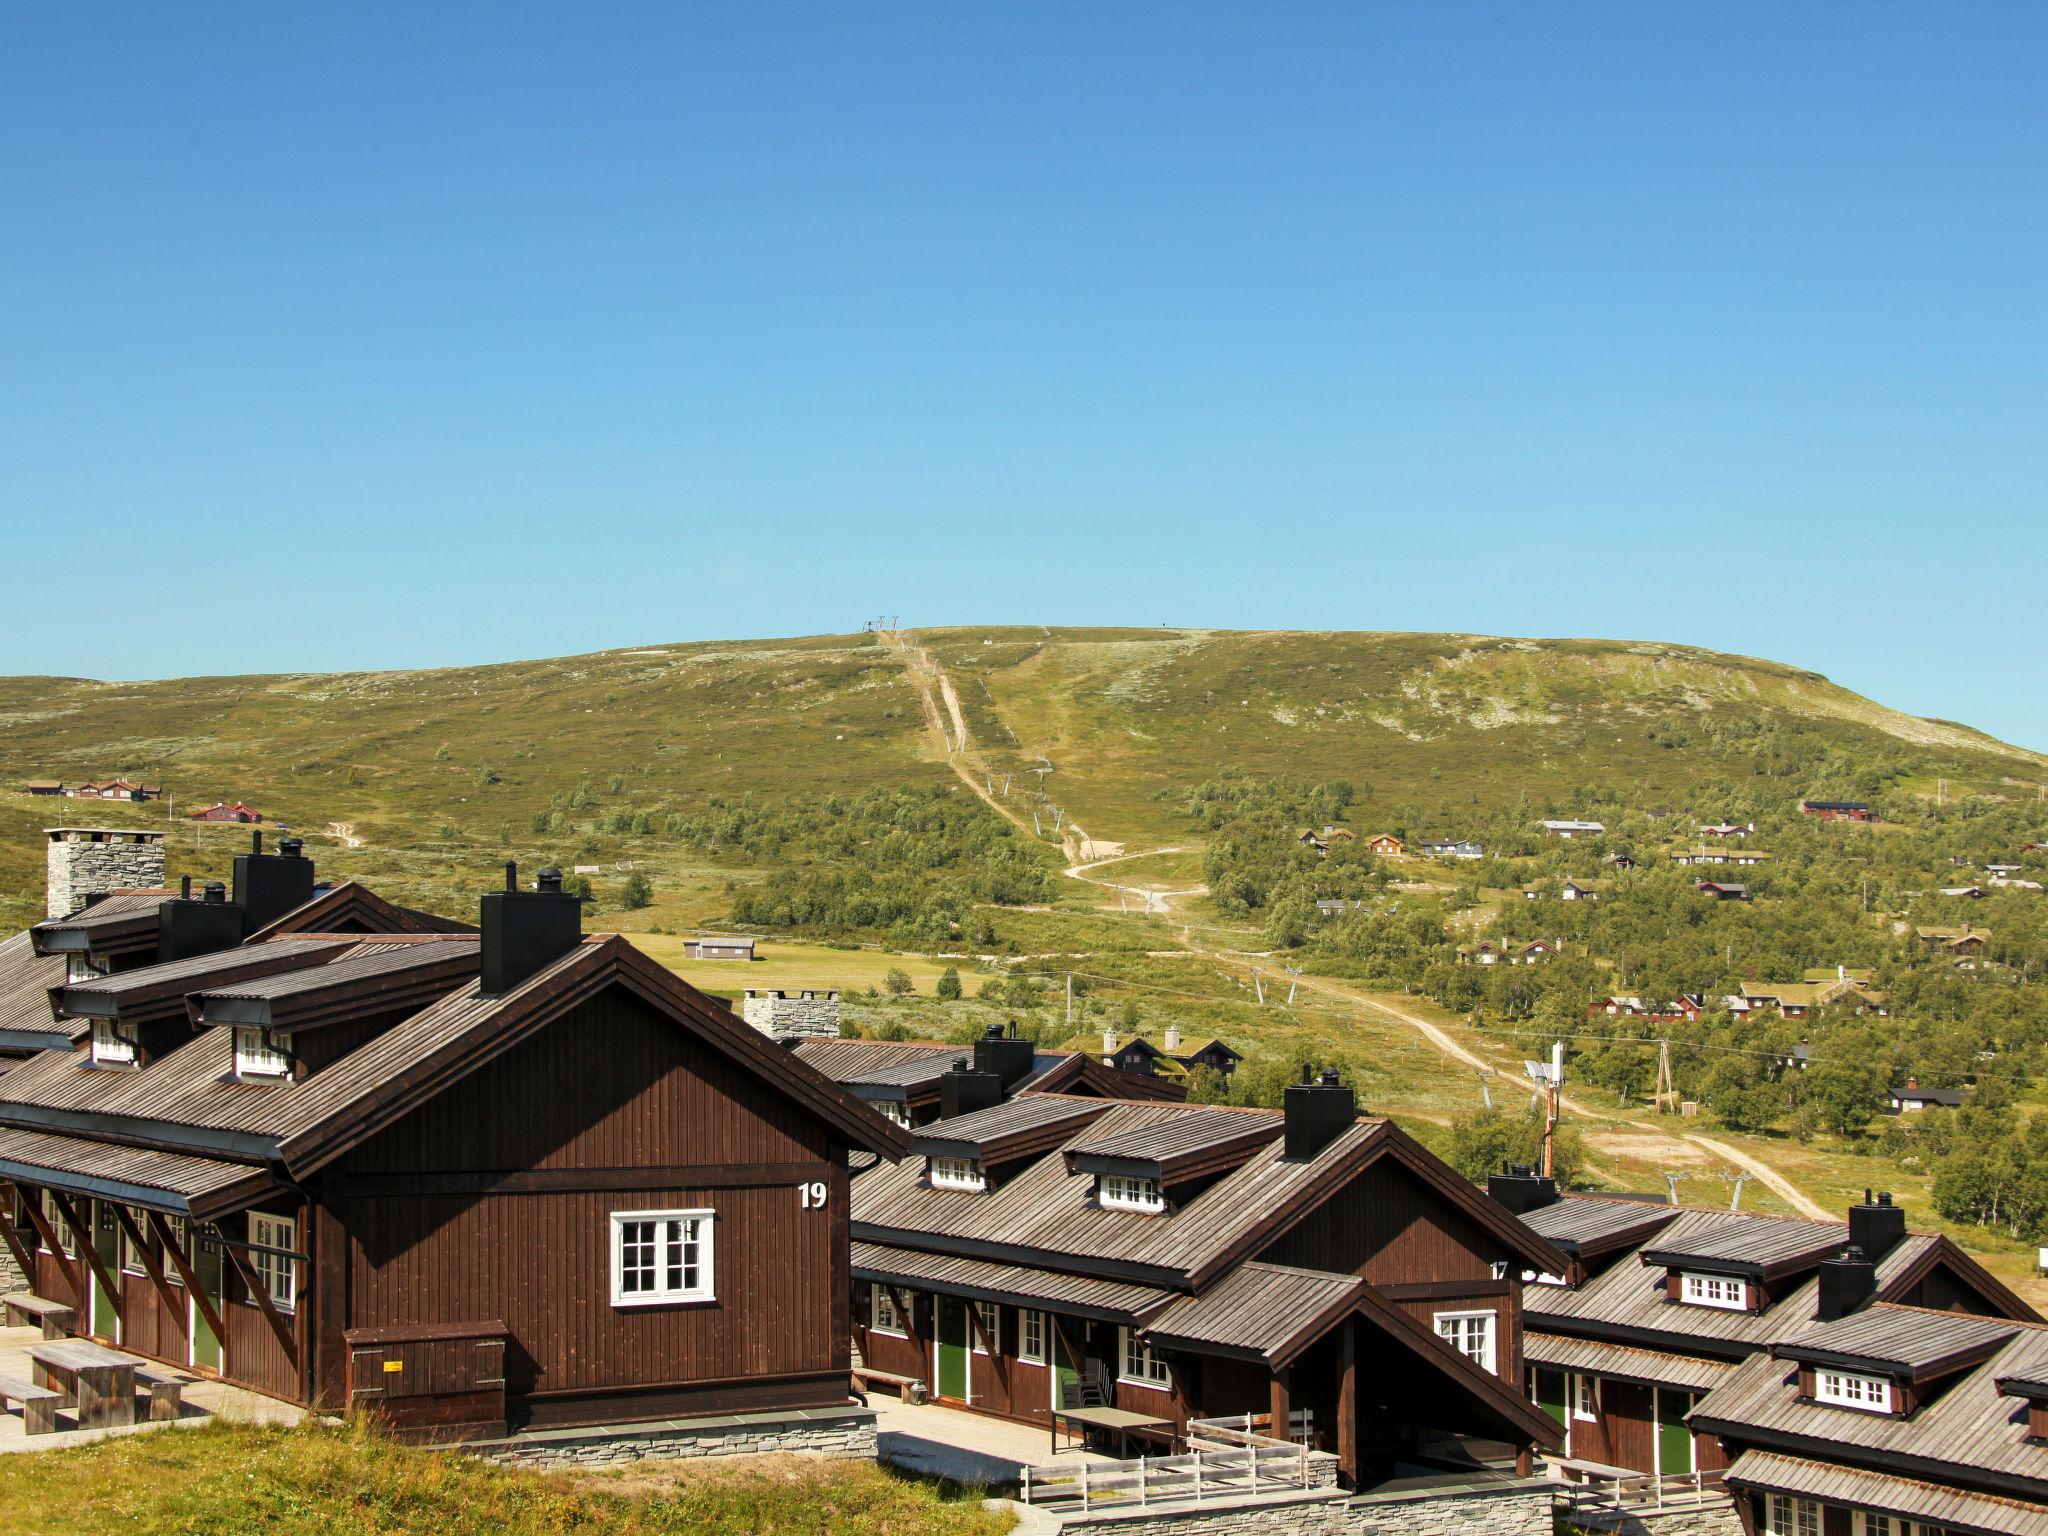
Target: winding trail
[947, 724]
[345, 831]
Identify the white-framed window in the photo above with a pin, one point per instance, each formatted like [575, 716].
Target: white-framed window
[1128, 1192]
[277, 1273]
[1141, 1366]
[882, 1314]
[1715, 1291]
[1585, 1396]
[82, 965]
[1863, 1523]
[660, 1257]
[131, 1255]
[1849, 1389]
[991, 1330]
[1031, 1336]
[955, 1173]
[889, 1109]
[1469, 1333]
[111, 1048]
[1787, 1516]
[58, 1225]
[181, 1234]
[262, 1052]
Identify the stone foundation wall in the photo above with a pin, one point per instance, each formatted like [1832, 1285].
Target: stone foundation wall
[1520, 1508]
[79, 866]
[1716, 1517]
[847, 1433]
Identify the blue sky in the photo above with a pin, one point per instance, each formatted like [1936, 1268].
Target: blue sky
[367, 335]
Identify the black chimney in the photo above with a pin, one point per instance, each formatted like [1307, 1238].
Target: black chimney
[964, 1090]
[1877, 1226]
[268, 885]
[1521, 1188]
[526, 931]
[185, 927]
[1847, 1281]
[1008, 1056]
[1318, 1111]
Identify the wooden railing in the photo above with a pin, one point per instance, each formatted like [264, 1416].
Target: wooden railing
[1230, 1458]
[1601, 1490]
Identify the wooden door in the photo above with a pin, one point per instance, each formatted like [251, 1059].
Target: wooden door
[206, 1265]
[949, 1348]
[1674, 1440]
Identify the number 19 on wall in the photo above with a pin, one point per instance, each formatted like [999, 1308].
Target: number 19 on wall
[812, 1195]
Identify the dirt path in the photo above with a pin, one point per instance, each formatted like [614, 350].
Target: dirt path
[1775, 1181]
[346, 832]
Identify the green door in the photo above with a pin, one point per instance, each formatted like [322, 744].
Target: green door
[1674, 1440]
[106, 1242]
[951, 1347]
[1549, 1392]
[1064, 1371]
[206, 1265]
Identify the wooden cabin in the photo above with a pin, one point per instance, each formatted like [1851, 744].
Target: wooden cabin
[467, 1182]
[1661, 1305]
[1189, 1261]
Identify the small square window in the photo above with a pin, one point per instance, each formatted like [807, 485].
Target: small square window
[882, 1315]
[962, 1173]
[262, 1052]
[111, 1048]
[1470, 1334]
[1141, 1365]
[661, 1257]
[991, 1330]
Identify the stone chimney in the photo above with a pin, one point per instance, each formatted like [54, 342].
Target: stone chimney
[1172, 1038]
[92, 861]
[1108, 1044]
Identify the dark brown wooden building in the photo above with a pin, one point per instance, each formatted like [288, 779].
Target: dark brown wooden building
[1660, 1305]
[1194, 1261]
[522, 1177]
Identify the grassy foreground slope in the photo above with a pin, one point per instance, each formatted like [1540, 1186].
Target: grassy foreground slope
[223, 1477]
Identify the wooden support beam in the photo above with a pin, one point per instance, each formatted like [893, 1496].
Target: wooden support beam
[326, 1310]
[992, 1347]
[172, 1301]
[261, 1297]
[1347, 1402]
[1281, 1404]
[47, 1236]
[91, 1255]
[182, 1262]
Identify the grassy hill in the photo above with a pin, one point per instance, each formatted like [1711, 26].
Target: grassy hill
[439, 773]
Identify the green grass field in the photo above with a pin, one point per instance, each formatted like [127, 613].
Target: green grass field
[222, 1478]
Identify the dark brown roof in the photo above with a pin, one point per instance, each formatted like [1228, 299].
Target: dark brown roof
[1968, 1434]
[984, 1280]
[1903, 1498]
[1078, 1072]
[25, 981]
[1016, 1128]
[152, 990]
[1656, 1367]
[1585, 1225]
[1198, 1140]
[120, 924]
[1765, 1247]
[377, 976]
[1263, 1312]
[1906, 1342]
[353, 908]
[190, 1100]
[1627, 1303]
[843, 1060]
[165, 1181]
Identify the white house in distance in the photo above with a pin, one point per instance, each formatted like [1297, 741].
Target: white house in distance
[1571, 829]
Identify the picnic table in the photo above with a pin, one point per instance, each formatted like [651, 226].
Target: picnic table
[98, 1383]
[1121, 1420]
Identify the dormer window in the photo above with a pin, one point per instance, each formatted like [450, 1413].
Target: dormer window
[262, 1052]
[111, 1048]
[1129, 1192]
[83, 965]
[890, 1110]
[962, 1173]
[1847, 1389]
[1716, 1291]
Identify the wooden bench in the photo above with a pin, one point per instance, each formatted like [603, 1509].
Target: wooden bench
[38, 1404]
[166, 1392]
[909, 1388]
[56, 1319]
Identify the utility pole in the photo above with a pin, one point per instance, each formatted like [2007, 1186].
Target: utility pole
[1672, 1180]
[1486, 1092]
[1259, 987]
[1667, 1092]
[1550, 1120]
[1070, 1000]
[1736, 1203]
[1294, 973]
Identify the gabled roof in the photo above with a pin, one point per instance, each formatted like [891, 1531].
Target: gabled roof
[123, 923]
[1586, 1226]
[353, 908]
[1763, 1248]
[1078, 1072]
[382, 976]
[1016, 1128]
[1201, 1140]
[1910, 1343]
[1968, 1435]
[26, 977]
[1262, 1312]
[153, 991]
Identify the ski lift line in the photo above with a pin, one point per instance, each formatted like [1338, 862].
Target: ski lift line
[1720, 1050]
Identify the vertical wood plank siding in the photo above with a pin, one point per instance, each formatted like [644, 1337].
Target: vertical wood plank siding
[647, 1097]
